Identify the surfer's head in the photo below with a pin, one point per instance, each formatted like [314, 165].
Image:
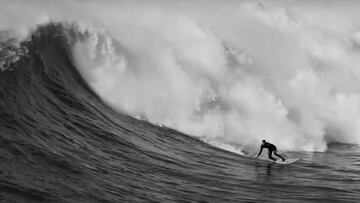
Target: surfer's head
[264, 141]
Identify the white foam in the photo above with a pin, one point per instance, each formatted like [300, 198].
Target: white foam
[297, 86]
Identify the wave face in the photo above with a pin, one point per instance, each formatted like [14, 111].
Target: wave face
[61, 143]
[232, 73]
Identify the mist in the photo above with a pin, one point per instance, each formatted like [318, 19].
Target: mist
[230, 72]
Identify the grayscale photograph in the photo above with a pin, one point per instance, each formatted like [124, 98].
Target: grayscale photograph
[179, 101]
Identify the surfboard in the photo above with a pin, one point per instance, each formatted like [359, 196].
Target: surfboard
[279, 161]
[287, 161]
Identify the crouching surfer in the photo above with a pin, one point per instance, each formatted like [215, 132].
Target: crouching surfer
[271, 148]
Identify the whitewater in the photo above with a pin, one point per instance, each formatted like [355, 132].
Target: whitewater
[168, 101]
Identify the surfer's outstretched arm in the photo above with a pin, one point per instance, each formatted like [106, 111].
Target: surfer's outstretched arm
[261, 148]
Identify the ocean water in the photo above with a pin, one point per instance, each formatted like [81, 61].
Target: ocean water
[177, 113]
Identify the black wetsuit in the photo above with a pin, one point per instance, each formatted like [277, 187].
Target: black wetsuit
[271, 148]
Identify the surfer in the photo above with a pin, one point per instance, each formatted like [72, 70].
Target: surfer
[271, 148]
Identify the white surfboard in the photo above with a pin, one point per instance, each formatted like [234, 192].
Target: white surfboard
[287, 161]
[279, 161]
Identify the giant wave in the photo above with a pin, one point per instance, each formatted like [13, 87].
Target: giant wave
[91, 111]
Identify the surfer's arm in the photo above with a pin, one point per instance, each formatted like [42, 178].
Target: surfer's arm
[261, 148]
[259, 151]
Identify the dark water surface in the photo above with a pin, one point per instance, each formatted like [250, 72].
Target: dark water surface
[60, 143]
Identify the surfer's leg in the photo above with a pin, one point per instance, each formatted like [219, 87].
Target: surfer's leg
[270, 157]
[279, 155]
